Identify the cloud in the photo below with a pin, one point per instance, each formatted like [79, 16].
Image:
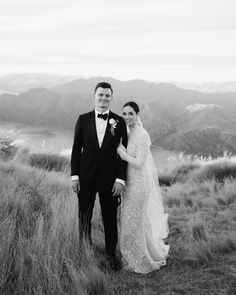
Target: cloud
[118, 33]
[24, 8]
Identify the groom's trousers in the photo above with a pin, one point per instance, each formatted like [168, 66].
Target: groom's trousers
[108, 204]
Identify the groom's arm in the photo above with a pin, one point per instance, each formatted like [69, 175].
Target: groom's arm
[76, 150]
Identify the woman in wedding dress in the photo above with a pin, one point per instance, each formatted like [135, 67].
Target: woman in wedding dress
[144, 223]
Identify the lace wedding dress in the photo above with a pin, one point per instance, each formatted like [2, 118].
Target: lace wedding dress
[144, 224]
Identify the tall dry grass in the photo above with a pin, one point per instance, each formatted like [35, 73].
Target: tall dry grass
[200, 169]
[40, 248]
[41, 252]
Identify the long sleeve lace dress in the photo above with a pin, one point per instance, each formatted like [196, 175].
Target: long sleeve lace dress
[144, 223]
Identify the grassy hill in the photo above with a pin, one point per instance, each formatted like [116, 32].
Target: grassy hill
[40, 249]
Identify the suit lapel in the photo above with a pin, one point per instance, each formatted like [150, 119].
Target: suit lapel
[93, 130]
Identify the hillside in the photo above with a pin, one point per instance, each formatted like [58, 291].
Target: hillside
[177, 119]
[41, 253]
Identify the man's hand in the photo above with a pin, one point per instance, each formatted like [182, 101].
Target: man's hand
[76, 186]
[117, 189]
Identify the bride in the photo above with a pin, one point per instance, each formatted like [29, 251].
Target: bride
[144, 223]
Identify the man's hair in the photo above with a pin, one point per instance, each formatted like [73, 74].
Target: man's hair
[133, 105]
[103, 85]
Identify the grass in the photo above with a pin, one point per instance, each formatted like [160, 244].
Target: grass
[7, 148]
[218, 170]
[49, 162]
[187, 167]
[44, 161]
[41, 253]
[178, 174]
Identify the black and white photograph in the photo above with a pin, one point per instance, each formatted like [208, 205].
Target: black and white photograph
[117, 147]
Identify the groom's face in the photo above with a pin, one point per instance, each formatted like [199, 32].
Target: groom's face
[103, 98]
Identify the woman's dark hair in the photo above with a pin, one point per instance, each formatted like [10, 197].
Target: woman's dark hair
[133, 105]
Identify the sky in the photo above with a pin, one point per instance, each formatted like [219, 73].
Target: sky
[155, 40]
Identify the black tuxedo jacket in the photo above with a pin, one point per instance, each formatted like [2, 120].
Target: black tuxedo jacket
[88, 158]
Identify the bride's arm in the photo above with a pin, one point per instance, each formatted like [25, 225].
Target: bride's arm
[143, 145]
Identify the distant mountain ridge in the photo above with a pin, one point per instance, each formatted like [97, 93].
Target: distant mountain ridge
[209, 87]
[18, 83]
[177, 119]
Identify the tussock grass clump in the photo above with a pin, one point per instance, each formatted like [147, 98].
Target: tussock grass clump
[210, 249]
[178, 197]
[227, 195]
[202, 252]
[95, 282]
[173, 201]
[44, 161]
[194, 168]
[183, 171]
[218, 170]
[49, 162]
[166, 179]
[7, 148]
[226, 243]
[178, 174]
[188, 201]
[198, 229]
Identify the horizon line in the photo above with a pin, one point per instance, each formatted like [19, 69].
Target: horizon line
[87, 77]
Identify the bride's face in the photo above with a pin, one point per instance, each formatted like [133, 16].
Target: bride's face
[130, 116]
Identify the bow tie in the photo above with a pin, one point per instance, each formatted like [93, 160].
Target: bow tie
[103, 116]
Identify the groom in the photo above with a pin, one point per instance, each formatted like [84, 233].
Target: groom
[96, 167]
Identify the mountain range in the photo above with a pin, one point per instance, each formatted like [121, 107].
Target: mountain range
[209, 87]
[177, 119]
[19, 83]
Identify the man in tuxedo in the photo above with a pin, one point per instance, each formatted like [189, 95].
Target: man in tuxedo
[96, 167]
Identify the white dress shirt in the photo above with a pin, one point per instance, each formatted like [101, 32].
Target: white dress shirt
[101, 126]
